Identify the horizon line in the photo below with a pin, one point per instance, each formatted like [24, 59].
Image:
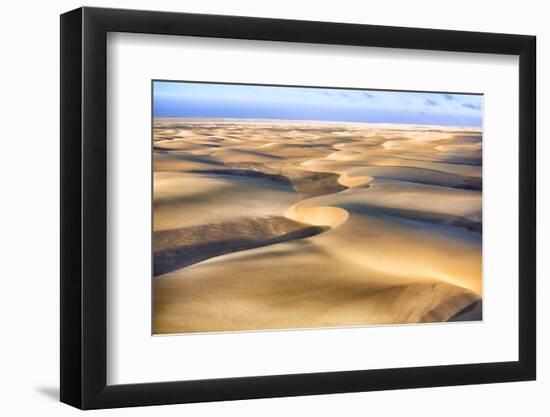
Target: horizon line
[198, 118]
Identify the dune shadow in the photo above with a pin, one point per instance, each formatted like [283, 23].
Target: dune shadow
[279, 179]
[472, 312]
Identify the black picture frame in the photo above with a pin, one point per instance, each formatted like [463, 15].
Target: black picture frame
[84, 207]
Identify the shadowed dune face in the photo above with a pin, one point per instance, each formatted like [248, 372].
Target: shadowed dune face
[177, 248]
[281, 224]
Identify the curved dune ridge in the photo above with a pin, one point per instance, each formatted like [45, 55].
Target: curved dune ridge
[326, 216]
[287, 224]
[318, 216]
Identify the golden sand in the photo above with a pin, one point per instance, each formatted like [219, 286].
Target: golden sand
[278, 225]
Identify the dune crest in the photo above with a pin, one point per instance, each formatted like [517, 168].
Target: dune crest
[318, 216]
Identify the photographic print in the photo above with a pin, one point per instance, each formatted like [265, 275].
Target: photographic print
[286, 207]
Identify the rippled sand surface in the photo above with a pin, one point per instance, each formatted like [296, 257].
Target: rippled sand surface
[287, 224]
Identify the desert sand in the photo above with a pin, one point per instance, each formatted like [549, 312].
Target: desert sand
[264, 224]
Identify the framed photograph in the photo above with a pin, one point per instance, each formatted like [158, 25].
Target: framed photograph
[257, 208]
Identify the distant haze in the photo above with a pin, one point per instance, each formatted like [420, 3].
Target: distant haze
[209, 100]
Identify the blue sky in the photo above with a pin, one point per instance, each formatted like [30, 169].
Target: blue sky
[182, 99]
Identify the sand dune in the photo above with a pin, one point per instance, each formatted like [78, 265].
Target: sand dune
[178, 248]
[184, 199]
[273, 225]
